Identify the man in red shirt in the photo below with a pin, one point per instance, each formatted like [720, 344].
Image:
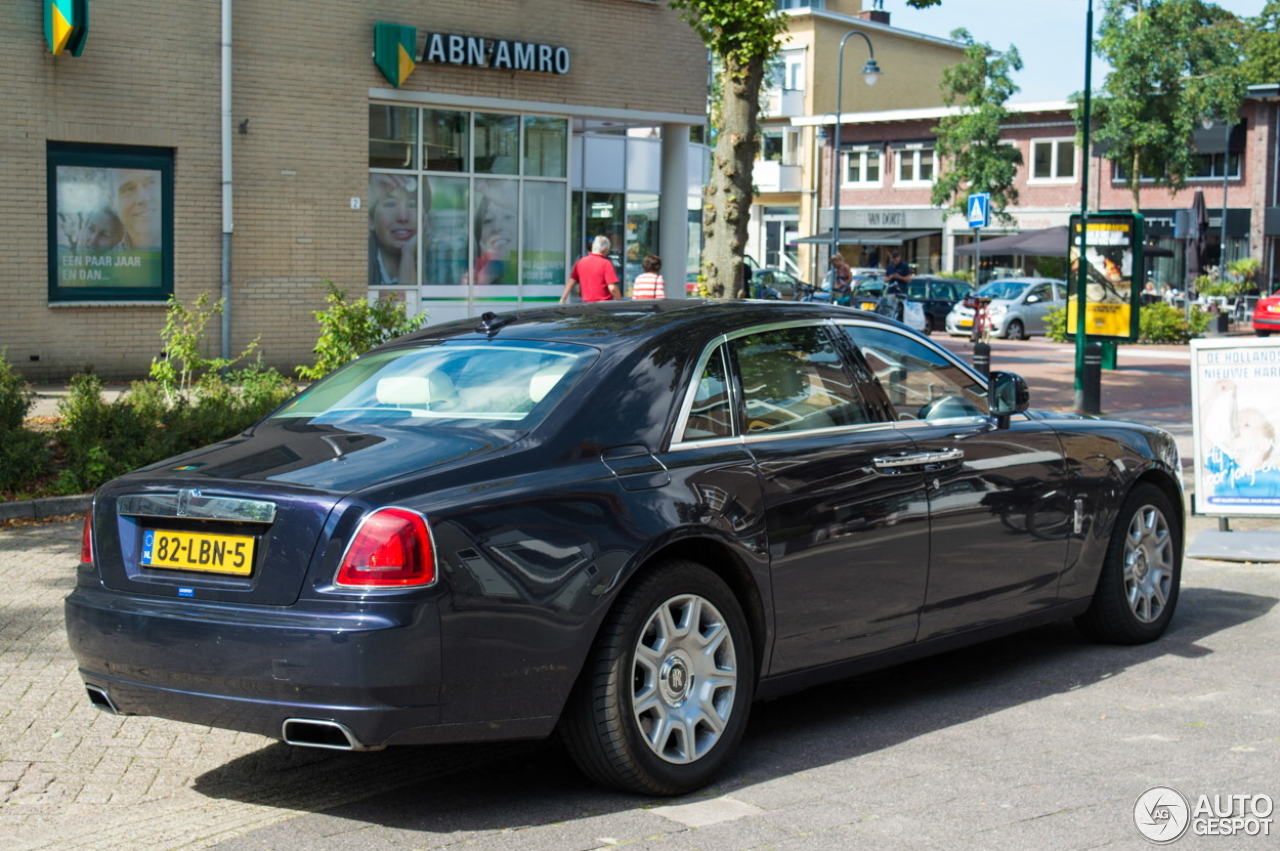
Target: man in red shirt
[595, 274]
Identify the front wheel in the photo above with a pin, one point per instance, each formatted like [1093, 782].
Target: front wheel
[1263, 333]
[1015, 331]
[1137, 588]
[665, 695]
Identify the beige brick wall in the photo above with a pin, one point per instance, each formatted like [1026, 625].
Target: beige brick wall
[150, 75]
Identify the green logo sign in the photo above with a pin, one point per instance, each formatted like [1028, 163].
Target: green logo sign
[393, 51]
[66, 25]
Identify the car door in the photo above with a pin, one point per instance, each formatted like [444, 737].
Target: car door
[847, 536]
[1036, 305]
[999, 501]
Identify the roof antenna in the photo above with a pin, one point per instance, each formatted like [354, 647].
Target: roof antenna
[490, 322]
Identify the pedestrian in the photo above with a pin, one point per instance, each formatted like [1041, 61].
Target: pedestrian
[839, 279]
[649, 284]
[595, 274]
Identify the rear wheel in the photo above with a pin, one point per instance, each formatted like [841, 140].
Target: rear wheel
[1263, 333]
[928, 324]
[665, 695]
[1137, 588]
[1015, 331]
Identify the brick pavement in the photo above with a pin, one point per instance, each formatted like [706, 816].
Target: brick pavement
[996, 739]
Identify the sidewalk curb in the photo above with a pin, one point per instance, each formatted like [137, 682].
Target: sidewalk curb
[38, 509]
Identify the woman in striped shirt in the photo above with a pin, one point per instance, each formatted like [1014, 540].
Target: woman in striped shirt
[650, 283]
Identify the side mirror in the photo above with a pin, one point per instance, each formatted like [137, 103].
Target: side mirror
[1007, 394]
[1032, 299]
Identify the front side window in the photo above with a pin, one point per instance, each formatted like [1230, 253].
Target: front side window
[712, 412]
[1053, 159]
[793, 380]
[920, 383]
[110, 223]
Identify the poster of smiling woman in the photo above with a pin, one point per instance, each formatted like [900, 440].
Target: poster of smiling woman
[1235, 394]
[110, 216]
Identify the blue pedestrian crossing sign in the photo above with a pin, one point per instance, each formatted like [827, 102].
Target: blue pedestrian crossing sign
[979, 210]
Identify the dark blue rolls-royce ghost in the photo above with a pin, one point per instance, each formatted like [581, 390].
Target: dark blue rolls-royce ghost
[624, 522]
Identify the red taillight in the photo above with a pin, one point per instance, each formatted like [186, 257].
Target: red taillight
[391, 550]
[86, 539]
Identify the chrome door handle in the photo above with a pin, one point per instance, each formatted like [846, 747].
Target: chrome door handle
[916, 459]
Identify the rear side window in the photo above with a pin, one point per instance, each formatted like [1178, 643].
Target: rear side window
[793, 380]
[712, 411]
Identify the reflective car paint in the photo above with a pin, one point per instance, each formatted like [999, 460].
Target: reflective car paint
[838, 566]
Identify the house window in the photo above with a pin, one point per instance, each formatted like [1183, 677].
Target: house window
[110, 223]
[1209, 167]
[915, 166]
[862, 167]
[1053, 159]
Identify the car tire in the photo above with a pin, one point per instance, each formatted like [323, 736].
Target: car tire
[928, 325]
[1137, 589]
[662, 702]
[1014, 330]
[1263, 333]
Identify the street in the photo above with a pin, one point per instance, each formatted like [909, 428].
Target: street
[1038, 740]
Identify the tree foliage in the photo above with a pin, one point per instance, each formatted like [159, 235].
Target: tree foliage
[970, 155]
[743, 37]
[1261, 43]
[1174, 63]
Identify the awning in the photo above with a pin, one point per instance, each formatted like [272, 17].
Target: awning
[1050, 242]
[867, 237]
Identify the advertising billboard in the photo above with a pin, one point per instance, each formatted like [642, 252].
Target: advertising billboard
[1235, 403]
[1114, 271]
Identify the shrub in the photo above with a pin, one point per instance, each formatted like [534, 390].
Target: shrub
[1157, 323]
[16, 396]
[24, 458]
[348, 330]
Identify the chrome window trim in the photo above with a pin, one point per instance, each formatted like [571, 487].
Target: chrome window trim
[190, 503]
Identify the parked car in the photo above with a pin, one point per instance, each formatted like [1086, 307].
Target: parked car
[935, 294]
[780, 281]
[1266, 315]
[626, 521]
[1019, 307]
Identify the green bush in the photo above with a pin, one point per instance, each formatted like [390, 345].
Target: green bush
[1157, 323]
[16, 396]
[348, 330]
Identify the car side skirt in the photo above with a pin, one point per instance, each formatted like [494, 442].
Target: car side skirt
[774, 687]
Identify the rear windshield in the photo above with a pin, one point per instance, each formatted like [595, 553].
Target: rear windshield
[467, 384]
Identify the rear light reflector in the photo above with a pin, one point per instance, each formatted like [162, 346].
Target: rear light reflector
[86, 539]
[391, 549]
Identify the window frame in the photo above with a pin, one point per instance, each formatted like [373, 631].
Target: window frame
[863, 154]
[1055, 161]
[914, 155]
[94, 156]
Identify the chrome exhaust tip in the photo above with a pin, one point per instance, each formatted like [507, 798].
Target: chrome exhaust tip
[312, 733]
[98, 697]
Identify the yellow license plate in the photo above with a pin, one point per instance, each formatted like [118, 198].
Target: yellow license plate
[197, 551]
[965, 323]
[1274, 308]
[868, 305]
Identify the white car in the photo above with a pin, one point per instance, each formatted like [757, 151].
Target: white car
[1019, 307]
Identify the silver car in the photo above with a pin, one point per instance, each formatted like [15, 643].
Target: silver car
[1019, 307]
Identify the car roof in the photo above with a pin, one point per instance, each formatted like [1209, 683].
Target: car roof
[620, 324]
[1025, 280]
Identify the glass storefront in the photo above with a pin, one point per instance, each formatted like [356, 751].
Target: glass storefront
[466, 206]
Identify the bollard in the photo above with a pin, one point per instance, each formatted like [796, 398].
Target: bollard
[1091, 395]
[982, 358]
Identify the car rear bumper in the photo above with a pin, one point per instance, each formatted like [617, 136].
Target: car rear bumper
[1267, 323]
[375, 671]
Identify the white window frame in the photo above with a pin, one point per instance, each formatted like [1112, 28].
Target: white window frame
[1054, 161]
[863, 156]
[914, 155]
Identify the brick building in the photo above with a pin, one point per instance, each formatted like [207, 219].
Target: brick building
[885, 192]
[521, 130]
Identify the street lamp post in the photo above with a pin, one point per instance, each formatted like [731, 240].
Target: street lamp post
[1222, 233]
[870, 73]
